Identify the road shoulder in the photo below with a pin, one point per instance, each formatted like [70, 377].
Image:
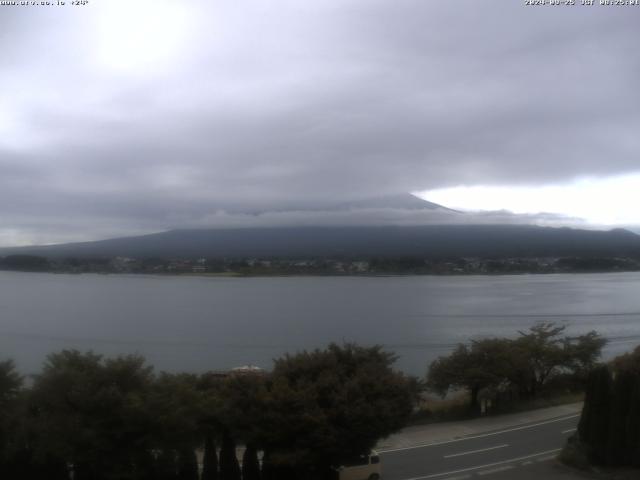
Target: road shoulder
[423, 435]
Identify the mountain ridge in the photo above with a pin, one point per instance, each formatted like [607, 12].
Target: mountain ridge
[428, 241]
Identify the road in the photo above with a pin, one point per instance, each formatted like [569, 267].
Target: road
[515, 452]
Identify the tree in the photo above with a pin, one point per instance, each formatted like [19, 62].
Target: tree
[543, 349]
[629, 362]
[91, 412]
[26, 263]
[619, 451]
[632, 427]
[583, 352]
[167, 465]
[609, 427]
[593, 428]
[210, 460]
[487, 363]
[625, 427]
[241, 405]
[328, 406]
[174, 405]
[229, 466]
[547, 353]
[10, 385]
[526, 363]
[250, 464]
[187, 465]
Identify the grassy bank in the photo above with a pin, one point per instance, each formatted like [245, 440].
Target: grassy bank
[456, 407]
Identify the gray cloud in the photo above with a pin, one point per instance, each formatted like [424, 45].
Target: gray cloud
[294, 104]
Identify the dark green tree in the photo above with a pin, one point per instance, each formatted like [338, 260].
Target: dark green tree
[250, 464]
[618, 445]
[609, 428]
[624, 443]
[544, 350]
[187, 465]
[10, 385]
[25, 263]
[241, 406]
[485, 364]
[18, 459]
[91, 412]
[525, 364]
[167, 465]
[175, 407]
[229, 466]
[628, 362]
[632, 427]
[583, 352]
[593, 428]
[145, 466]
[328, 406]
[210, 459]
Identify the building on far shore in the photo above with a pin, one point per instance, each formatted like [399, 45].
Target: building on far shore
[247, 370]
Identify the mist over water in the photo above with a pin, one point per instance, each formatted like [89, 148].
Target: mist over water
[204, 323]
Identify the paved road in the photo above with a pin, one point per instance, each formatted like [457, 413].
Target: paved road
[488, 455]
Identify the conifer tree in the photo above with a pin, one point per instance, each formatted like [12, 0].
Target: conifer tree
[187, 465]
[145, 465]
[618, 442]
[166, 465]
[210, 460]
[609, 427]
[594, 424]
[586, 418]
[632, 426]
[250, 464]
[229, 466]
[267, 470]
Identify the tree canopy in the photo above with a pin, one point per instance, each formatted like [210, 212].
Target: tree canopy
[100, 418]
[609, 427]
[328, 406]
[525, 363]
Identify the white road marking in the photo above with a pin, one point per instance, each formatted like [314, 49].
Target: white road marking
[476, 451]
[569, 430]
[445, 442]
[545, 459]
[495, 470]
[478, 467]
[459, 477]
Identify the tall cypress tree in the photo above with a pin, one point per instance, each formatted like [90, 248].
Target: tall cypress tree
[166, 465]
[632, 426]
[210, 460]
[618, 442]
[229, 466]
[29, 467]
[145, 465]
[250, 464]
[267, 470]
[588, 412]
[187, 465]
[594, 429]
[609, 427]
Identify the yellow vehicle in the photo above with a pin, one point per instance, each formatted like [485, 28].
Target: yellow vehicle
[366, 467]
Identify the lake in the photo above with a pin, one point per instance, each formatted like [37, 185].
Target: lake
[201, 323]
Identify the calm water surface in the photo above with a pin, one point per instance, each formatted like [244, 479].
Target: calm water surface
[199, 323]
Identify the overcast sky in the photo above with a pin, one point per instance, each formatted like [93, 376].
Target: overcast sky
[124, 117]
